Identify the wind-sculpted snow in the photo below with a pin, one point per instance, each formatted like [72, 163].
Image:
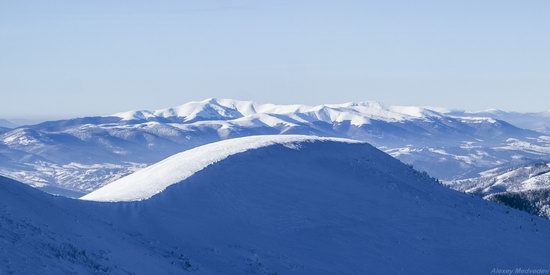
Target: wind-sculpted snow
[155, 178]
[305, 206]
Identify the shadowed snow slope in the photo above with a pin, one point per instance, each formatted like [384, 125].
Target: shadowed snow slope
[155, 178]
[305, 206]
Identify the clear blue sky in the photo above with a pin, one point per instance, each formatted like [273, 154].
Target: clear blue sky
[66, 58]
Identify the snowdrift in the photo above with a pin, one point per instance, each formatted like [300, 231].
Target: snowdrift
[266, 206]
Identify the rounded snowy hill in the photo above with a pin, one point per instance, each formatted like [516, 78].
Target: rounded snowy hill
[308, 205]
[269, 205]
[155, 178]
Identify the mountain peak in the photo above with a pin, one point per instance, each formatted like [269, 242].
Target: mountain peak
[211, 100]
[358, 113]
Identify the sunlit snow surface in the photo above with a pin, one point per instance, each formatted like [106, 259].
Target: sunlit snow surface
[298, 206]
[210, 109]
[55, 155]
[155, 178]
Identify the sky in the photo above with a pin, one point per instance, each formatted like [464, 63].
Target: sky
[75, 58]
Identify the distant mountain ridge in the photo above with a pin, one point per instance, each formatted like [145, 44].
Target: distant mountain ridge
[7, 124]
[536, 121]
[228, 109]
[83, 154]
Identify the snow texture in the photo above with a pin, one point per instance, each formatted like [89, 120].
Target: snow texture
[56, 155]
[304, 207]
[155, 178]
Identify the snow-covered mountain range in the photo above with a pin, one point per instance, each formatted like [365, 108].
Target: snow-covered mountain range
[539, 121]
[79, 155]
[525, 186]
[268, 205]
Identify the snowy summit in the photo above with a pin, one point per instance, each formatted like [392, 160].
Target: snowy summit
[157, 177]
[227, 109]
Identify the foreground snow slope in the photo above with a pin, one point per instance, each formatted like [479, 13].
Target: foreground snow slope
[304, 207]
[155, 178]
[43, 234]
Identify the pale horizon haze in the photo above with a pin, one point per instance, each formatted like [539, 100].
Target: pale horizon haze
[64, 59]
